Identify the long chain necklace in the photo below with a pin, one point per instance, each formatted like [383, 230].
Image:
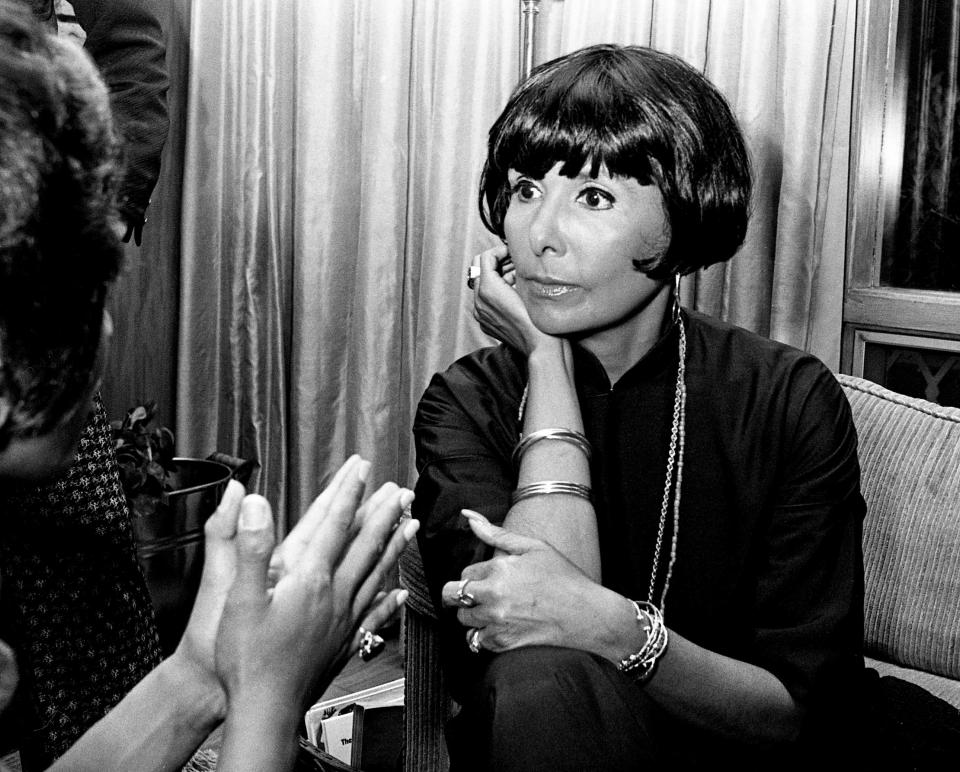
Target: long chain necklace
[674, 479]
[678, 437]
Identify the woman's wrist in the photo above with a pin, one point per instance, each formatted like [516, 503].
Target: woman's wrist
[260, 732]
[197, 687]
[551, 389]
[550, 353]
[613, 630]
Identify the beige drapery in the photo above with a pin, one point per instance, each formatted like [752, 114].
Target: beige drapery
[333, 154]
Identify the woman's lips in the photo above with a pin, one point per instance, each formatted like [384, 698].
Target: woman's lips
[550, 289]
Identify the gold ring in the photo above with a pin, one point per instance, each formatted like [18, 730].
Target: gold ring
[464, 598]
[473, 640]
[473, 273]
[371, 645]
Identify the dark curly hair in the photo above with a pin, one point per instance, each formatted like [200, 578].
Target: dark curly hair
[58, 245]
[640, 113]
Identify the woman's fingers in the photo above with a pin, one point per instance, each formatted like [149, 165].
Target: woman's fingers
[219, 532]
[221, 526]
[500, 538]
[291, 549]
[490, 260]
[469, 581]
[378, 545]
[336, 530]
[254, 546]
[485, 262]
[385, 564]
[380, 614]
[348, 532]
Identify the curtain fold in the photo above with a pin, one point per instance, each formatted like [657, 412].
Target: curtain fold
[236, 315]
[333, 155]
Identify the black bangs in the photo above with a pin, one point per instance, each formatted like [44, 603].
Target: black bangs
[575, 119]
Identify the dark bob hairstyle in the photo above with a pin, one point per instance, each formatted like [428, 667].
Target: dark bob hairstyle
[58, 245]
[642, 114]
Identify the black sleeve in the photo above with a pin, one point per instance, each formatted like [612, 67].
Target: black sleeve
[125, 39]
[809, 602]
[465, 429]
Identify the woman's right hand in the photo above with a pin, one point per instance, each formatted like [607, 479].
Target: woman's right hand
[337, 508]
[282, 643]
[498, 308]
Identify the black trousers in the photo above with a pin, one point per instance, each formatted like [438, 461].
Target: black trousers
[560, 709]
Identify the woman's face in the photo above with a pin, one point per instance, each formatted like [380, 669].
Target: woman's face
[573, 242]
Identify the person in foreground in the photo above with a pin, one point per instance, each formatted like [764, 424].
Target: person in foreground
[270, 626]
[642, 524]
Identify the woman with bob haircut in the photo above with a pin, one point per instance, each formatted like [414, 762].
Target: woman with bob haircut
[642, 524]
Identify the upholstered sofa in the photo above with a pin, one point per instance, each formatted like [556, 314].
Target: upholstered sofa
[910, 476]
[910, 461]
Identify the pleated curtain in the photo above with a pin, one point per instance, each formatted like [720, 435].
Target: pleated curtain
[333, 154]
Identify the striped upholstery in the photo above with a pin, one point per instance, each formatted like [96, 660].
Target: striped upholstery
[910, 459]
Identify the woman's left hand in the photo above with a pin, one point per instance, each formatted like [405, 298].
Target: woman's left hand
[528, 595]
[497, 306]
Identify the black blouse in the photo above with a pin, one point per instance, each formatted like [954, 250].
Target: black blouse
[769, 566]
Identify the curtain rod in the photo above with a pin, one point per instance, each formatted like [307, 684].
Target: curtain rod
[528, 25]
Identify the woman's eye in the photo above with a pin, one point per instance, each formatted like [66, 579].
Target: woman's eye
[525, 190]
[594, 198]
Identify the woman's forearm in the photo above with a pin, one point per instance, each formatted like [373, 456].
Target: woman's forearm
[709, 690]
[565, 521]
[723, 695]
[259, 735]
[157, 726]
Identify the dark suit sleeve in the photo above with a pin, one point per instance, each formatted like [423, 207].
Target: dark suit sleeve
[464, 432]
[125, 39]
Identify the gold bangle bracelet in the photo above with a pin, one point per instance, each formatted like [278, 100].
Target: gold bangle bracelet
[577, 439]
[551, 486]
[640, 665]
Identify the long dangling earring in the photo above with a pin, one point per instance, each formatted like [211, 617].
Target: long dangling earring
[676, 296]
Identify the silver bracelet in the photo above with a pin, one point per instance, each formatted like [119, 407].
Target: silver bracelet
[550, 486]
[576, 439]
[640, 664]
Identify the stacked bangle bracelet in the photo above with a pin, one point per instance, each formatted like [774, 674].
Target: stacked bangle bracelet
[564, 435]
[550, 486]
[640, 664]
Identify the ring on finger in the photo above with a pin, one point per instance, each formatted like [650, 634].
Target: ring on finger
[371, 645]
[464, 598]
[473, 273]
[473, 640]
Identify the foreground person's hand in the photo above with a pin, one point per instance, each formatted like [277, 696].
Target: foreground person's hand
[276, 648]
[195, 652]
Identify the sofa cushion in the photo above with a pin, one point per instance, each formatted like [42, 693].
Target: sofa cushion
[947, 689]
[910, 465]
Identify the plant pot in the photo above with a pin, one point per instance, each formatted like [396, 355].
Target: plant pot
[170, 543]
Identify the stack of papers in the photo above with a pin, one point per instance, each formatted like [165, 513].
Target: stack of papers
[363, 729]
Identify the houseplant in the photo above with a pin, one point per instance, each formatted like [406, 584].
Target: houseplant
[145, 459]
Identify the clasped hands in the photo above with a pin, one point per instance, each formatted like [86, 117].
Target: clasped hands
[274, 625]
[528, 594]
